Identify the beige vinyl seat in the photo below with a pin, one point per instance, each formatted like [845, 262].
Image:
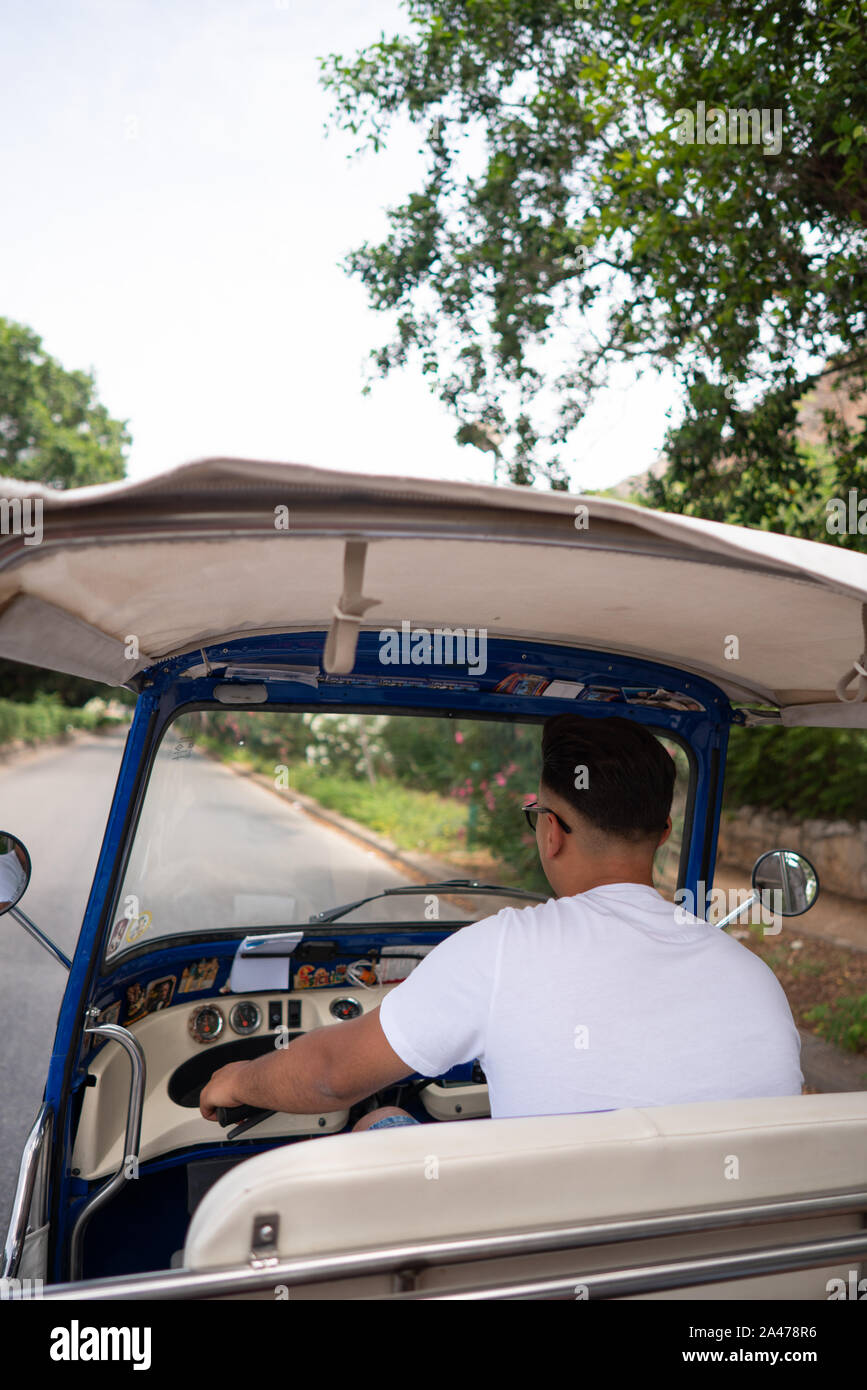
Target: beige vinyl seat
[364, 1191]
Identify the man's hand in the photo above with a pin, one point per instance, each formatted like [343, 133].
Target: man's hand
[225, 1088]
[329, 1068]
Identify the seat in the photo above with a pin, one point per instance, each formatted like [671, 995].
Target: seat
[364, 1191]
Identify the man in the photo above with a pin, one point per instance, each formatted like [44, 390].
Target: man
[603, 997]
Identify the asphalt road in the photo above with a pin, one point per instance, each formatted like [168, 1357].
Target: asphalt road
[220, 850]
[57, 800]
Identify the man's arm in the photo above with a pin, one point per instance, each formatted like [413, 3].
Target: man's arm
[329, 1068]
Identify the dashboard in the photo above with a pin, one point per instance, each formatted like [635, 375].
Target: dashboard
[185, 1043]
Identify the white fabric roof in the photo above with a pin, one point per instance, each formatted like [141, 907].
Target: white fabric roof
[193, 556]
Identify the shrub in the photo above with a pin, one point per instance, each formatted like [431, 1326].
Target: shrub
[804, 772]
[41, 718]
[844, 1022]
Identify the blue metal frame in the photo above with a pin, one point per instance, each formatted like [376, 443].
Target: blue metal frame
[166, 689]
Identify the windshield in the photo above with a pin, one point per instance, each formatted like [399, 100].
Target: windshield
[263, 819]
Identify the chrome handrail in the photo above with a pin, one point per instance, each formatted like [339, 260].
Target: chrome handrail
[410, 1257]
[27, 1173]
[132, 1140]
[674, 1274]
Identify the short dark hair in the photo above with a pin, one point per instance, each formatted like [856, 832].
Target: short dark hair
[630, 775]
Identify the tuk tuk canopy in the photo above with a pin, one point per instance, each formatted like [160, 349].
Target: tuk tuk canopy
[105, 582]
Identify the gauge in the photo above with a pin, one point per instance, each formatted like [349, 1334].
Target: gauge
[246, 1017]
[206, 1023]
[345, 1008]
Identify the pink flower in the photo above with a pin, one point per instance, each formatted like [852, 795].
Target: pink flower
[489, 801]
[459, 738]
[500, 780]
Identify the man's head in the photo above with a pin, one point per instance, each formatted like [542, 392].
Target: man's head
[612, 783]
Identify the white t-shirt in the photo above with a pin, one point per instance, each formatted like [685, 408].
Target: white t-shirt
[609, 999]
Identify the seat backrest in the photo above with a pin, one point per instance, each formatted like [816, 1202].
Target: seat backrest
[371, 1189]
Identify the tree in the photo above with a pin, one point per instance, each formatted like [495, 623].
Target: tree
[54, 431]
[52, 428]
[675, 184]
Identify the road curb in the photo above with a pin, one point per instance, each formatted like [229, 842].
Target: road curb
[422, 866]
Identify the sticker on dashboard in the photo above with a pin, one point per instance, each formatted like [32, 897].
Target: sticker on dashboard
[202, 974]
[158, 995]
[317, 977]
[521, 683]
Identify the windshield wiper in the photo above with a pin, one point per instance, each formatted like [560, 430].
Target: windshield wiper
[331, 914]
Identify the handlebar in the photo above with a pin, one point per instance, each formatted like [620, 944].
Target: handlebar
[243, 1117]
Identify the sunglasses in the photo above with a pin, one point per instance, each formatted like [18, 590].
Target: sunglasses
[533, 811]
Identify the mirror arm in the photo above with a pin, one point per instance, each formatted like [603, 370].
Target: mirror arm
[736, 912]
[40, 936]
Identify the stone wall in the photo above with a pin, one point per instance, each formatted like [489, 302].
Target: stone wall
[836, 849]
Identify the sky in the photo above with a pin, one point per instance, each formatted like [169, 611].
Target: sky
[175, 217]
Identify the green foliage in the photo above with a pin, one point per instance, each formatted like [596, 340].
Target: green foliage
[325, 757]
[52, 431]
[52, 428]
[844, 1022]
[345, 744]
[413, 820]
[559, 221]
[45, 717]
[458, 784]
[804, 772]
[24, 683]
[446, 786]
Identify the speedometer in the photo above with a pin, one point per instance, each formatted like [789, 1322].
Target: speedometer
[245, 1017]
[345, 1008]
[206, 1023]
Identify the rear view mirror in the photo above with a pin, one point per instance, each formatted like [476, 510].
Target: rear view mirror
[14, 870]
[791, 877]
[14, 878]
